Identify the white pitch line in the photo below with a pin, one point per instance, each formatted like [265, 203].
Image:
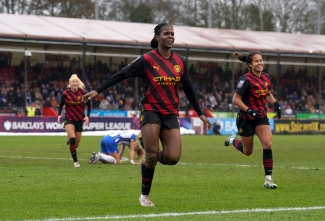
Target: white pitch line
[257, 210]
[126, 159]
[247, 165]
[35, 158]
[47, 158]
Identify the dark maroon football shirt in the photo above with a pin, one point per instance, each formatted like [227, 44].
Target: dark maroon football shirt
[74, 108]
[161, 78]
[254, 90]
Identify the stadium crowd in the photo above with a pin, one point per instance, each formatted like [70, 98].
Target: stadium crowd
[296, 90]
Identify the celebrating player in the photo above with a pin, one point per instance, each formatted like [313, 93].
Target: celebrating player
[161, 70]
[251, 96]
[74, 114]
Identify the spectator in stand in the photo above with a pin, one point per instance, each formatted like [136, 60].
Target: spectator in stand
[54, 102]
[11, 96]
[192, 70]
[37, 96]
[16, 85]
[216, 127]
[31, 110]
[2, 93]
[4, 103]
[74, 116]
[47, 102]
[159, 114]
[122, 65]
[104, 104]
[38, 111]
[19, 98]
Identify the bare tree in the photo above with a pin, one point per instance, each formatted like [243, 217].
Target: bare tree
[8, 6]
[291, 14]
[77, 9]
[36, 7]
[228, 14]
[52, 7]
[143, 10]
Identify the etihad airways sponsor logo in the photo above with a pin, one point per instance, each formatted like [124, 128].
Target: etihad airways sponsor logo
[262, 92]
[73, 103]
[164, 80]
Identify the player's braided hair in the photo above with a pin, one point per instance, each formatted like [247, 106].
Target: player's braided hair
[247, 58]
[157, 30]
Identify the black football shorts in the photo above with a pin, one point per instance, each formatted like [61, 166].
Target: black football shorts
[246, 128]
[78, 125]
[166, 122]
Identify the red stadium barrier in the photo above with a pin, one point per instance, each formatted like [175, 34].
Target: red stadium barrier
[191, 113]
[49, 111]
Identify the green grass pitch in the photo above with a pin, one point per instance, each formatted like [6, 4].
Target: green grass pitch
[211, 182]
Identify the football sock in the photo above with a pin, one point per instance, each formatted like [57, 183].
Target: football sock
[267, 161]
[141, 142]
[238, 144]
[73, 150]
[107, 159]
[74, 156]
[161, 158]
[147, 177]
[143, 196]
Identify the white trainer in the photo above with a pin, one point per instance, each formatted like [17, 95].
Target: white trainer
[76, 164]
[269, 184]
[145, 201]
[229, 140]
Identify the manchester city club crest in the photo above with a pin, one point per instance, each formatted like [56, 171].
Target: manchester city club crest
[177, 68]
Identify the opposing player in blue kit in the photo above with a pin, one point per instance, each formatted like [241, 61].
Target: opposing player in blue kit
[109, 151]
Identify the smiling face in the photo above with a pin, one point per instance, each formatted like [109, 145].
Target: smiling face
[74, 83]
[166, 37]
[257, 64]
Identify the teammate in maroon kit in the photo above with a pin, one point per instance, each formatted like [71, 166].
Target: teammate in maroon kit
[74, 114]
[251, 96]
[161, 70]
